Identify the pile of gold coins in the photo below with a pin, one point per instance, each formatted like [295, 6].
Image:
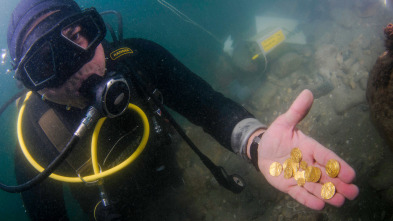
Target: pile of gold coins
[302, 173]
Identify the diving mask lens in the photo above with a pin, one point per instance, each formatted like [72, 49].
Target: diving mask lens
[41, 66]
[62, 51]
[83, 33]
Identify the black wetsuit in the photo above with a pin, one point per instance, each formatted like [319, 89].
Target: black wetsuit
[182, 91]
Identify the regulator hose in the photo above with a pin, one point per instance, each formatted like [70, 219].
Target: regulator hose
[48, 170]
[91, 118]
[97, 174]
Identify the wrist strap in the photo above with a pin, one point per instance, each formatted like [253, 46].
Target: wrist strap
[254, 150]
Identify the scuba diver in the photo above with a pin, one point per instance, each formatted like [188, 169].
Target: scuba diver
[60, 55]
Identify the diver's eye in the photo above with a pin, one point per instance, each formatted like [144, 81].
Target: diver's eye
[75, 37]
[75, 34]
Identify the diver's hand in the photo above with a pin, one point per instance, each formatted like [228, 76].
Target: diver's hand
[278, 141]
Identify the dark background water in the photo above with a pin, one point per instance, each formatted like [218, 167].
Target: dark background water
[11, 205]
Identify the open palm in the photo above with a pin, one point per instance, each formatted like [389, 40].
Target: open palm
[278, 141]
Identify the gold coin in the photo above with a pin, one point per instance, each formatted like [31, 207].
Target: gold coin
[328, 190]
[332, 168]
[288, 172]
[308, 174]
[275, 169]
[299, 175]
[303, 165]
[316, 174]
[295, 167]
[301, 181]
[287, 162]
[296, 155]
[292, 164]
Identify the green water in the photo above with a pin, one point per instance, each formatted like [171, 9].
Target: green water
[343, 40]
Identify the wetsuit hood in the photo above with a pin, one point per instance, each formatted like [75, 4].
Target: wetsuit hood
[23, 16]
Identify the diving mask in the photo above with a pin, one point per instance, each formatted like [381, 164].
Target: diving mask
[62, 51]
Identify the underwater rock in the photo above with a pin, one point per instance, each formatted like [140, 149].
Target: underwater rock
[363, 83]
[340, 58]
[264, 96]
[380, 90]
[361, 42]
[325, 57]
[321, 89]
[383, 179]
[287, 64]
[354, 69]
[345, 99]
[349, 62]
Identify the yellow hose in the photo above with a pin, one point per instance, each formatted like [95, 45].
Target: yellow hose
[138, 151]
[97, 174]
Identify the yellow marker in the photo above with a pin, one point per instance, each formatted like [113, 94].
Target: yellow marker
[255, 56]
[273, 41]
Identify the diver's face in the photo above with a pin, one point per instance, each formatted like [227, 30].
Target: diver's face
[68, 93]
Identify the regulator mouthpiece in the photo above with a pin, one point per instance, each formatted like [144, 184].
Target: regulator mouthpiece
[110, 96]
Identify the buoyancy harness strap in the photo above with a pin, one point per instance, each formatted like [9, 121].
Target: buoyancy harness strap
[54, 129]
[59, 135]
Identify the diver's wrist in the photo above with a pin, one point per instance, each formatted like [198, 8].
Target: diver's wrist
[242, 133]
[253, 147]
[253, 139]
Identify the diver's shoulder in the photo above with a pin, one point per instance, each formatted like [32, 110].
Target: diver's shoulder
[35, 106]
[139, 48]
[141, 43]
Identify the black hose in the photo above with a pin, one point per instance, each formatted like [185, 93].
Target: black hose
[113, 35]
[91, 118]
[233, 182]
[48, 170]
[119, 22]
